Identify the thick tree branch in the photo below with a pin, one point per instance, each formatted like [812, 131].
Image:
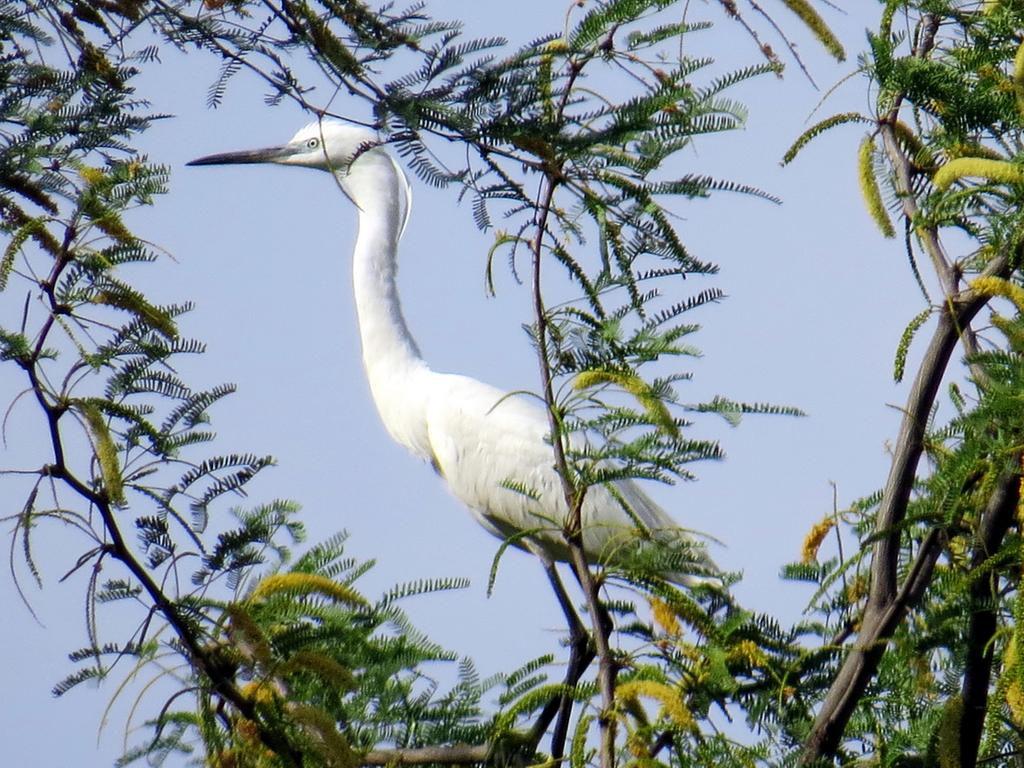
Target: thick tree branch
[887, 604]
[928, 236]
[607, 666]
[862, 661]
[995, 522]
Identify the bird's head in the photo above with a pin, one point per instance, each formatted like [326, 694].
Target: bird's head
[368, 176]
[327, 145]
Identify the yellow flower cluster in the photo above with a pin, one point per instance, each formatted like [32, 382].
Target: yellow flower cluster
[671, 700]
[869, 187]
[91, 175]
[1014, 694]
[260, 692]
[948, 746]
[997, 286]
[1020, 495]
[813, 540]
[306, 584]
[999, 171]
[748, 651]
[665, 617]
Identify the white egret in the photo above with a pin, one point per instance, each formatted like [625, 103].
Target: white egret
[479, 439]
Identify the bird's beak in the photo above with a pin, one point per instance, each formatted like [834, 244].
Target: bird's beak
[248, 156]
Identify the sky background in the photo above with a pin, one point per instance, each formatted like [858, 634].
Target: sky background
[816, 305]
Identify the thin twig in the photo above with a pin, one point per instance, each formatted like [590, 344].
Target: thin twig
[573, 531]
[581, 654]
[202, 659]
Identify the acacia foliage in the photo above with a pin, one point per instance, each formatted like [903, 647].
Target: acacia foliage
[126, 461]
[125, 457]
[935, 582]
[288, 663]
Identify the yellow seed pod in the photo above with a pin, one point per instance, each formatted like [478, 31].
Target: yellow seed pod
[301, 584]
[948, 745]
[113, 227]
[129, 301]
[91, 175]
[997, 286]
[818, 27]
[1020, 495]
[971, 149]
[813, 540]
[869, 187]
[326, 669]
[1014, 693]
[999, 171]
[670, 699]
[652, 404]
[105, 450]
[1018, 77]
[665, 617]
[1015, 702]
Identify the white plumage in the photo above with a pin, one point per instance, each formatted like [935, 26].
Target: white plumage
[477, 437]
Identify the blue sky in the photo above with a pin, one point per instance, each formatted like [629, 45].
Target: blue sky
[816, 304]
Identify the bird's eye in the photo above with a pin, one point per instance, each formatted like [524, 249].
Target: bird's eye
[313, 143]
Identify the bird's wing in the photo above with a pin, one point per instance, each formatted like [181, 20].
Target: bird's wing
[492, 448]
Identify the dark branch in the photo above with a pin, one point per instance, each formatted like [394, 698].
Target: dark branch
[995, 522]
[887, 604]
[203, 661]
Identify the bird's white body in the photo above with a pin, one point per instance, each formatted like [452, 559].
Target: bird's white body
[478, 438]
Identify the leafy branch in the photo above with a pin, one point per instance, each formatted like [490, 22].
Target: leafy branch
[940, 543]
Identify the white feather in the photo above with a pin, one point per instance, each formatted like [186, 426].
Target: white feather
[485, 444]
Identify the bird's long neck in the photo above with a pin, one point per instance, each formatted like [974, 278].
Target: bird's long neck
[394, 366]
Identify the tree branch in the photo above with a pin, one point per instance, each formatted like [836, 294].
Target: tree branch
[904, 188]
[204, 662]
[573, 496]
[862, 661]
[581, 654]
[885, 605]
[995, 522]
[457, 754]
